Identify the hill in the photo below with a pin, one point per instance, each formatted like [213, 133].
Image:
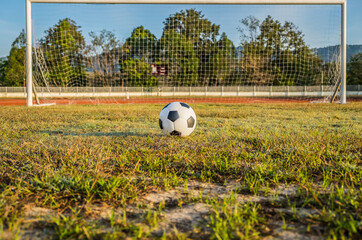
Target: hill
[327, 53]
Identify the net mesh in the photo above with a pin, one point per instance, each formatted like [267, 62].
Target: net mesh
[118, 53]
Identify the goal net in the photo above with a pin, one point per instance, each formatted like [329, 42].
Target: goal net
[116, 53]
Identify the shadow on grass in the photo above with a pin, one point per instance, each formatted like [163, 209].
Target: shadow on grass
[98, 134]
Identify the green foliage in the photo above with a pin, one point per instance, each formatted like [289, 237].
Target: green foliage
[189, 48]
[354, 70]
[276, 54]
[13, 69]
[2, 69]
[137, 73]
[63, 46]
[138, 52]
[223, 61]
[193, 26]
[141, 44]
[178, 54]
[197, 30]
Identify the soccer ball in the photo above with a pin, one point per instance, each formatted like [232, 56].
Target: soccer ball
[177, 118]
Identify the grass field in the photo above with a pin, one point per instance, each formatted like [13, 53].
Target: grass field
[287, 171]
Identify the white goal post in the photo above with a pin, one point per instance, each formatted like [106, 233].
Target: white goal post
[342, 3]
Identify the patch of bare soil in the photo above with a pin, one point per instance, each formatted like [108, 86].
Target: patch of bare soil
[183, 209]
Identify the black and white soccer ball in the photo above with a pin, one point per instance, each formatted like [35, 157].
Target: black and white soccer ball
[177, 118]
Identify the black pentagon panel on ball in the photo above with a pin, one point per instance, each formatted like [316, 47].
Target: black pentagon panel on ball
[184, 105]
[190, 122]
[175, 133]
[173, 116]
[160, 122]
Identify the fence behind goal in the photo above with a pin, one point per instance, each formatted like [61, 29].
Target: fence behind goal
[183, 52]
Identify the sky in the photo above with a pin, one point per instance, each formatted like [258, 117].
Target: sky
[320, 24]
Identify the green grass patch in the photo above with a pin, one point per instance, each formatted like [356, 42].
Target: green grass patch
[68, 158]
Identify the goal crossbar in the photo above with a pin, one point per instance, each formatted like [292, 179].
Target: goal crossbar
[252, 2]
[342, 3]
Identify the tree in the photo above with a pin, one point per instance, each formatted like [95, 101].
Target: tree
[138, 53]
[103, 55]
[178, 54]
[62, 48]
[137, 73]
[222, 61]
[253, 63]
[141, 44]
[354, 70]
[276, 53]
[2, 69]
[192, 26]
[14, 67]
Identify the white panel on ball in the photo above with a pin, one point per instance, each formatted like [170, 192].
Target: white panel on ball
[174, 106]
[181, 126]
